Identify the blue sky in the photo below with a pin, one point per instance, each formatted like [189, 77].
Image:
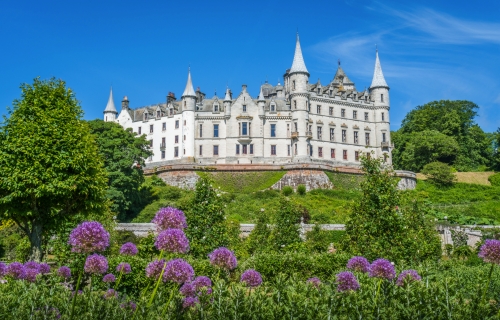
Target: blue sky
[429, 50]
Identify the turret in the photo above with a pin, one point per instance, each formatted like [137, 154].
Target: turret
[261, 103]
[125, 103]
[110, 112]
[188, 101]
[189, 96]
[379, 90]
[227, 103]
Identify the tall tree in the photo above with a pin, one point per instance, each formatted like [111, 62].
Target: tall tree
[120, 149]
[50, 170]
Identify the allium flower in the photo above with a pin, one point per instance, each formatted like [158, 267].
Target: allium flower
[128, 249]
[178, 271]
[202, 282]
[190, 302]
[111, 293]
[16, 270]
[154, 268]
[124, 268]
[64, 272]
[223, 258]
[315, 282]
[407, 276]
[169, 218]
[32, 265]
[89, 237]
[31, 274]
[358, 264]
[251, 278]
[96, 264]
[490, 251]
[346, 281]
[130, 305]
[172, 240]
[382, 268]
[109, 278]
[44, 268]
[3, 269]
[188, 289]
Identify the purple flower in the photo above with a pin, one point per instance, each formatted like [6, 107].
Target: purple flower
[16, 270]
[130, 305]
[188, 289]
[89, 237]
[251, 278]
[44, 268]
[109, 278]
[64, 272]
[202, 282]
[407, 276]
[195, 287]
[154, 268]
[111, 293]
[31, 274]
[490, 251]
[358, 264]
[346, 281]
[190, 302]
[128, 249]
[3, 269]
[178, 271]
[223, 258]
[315, 282]
[32, 265]
[96, 264]
[382, 268]
[124, 268]
[169, 218]
[172, 240]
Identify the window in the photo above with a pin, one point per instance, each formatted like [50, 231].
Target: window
[171, 111]
[367, 138]
[151, 143]
[319, 133]
[237, 149]
[273, 130]
[332, 153]
[244, 149]
[356, 137]
[177, 124]
[289, 150]
[184, 122]
[382, 97]
[201, 150]
[356, 155]
[344, 154]
[308, 106]
[244, 128]
[383, 136]
[216, 150]
[184, 104]
[176, 139]
[330, 111]
[244, 108]
[216, 130]
[366, 116]
[273, 108]
[201, 130]
[216, 108]
[163, 154]
[158, 113]
[319, 90]
[251, 148]
[294, 104]
[151, 128]
[296, 126]
[273, 150]
[310, 129]
[184, 137]
[293, 85]
[331, 92]
[145, 116]
[295, 149]
[164, 126]
[344, 134]
[288, 130]
[342, 113]
[139, 130]
[383, 116]
[311, 151]
[176, 152]
[163, 141]
[320, 152]
[354, 114]
[318, 109]
[332, 134]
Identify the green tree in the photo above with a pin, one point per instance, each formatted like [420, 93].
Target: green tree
[50, 169]
[286, 227]
[439, 173]
[120, 149]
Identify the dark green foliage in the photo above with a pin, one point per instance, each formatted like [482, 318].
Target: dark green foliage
[494, 179]
[286, 226]
[318, 240]
[439, 173]
[287, 190]
[459, 238]
[206, 221]
[301, 189]
[243, 182]
[50, 168]
[258, 240]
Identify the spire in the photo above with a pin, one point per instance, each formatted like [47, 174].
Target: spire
[298, 64]
[110, 107]
[261, 96]
[378, 76]
[189, 91]
[228, 95]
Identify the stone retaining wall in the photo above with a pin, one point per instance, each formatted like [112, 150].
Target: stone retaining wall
[312, 179]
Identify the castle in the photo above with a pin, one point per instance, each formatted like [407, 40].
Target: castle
[295, 122]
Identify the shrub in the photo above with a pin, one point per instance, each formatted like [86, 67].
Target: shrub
[258, 240]
[287, 190]
[459, 238]
[286, 228]
[439, 173]
[301, 189]
[494, 179]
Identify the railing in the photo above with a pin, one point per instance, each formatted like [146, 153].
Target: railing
[385, 144]
[309, 134]
[295, 134]
[162, 146]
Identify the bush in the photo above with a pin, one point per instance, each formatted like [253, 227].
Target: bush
[287, 190]
[301, 189]
[439, 173]
[286, 227]
[494, 179]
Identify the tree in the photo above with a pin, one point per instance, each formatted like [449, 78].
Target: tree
[120, 149]
[439, 173]
[50, 169]
[286, 228]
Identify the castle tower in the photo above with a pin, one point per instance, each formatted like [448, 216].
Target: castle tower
[379, 90]
[297, 79]
[227, 104]
[188, 105]
[261, 103]
[110, 112]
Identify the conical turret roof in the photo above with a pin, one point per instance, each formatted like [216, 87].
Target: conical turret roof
[261, 95]
[110, 107]
[189, 91]
[298, 64]
[378, 75]
[228, 95]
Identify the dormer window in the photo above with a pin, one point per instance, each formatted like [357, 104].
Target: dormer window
[145, 116]
[216, 108]
[319, 90]
[244, 108]
[331, 92]
[171, 111]
[273, 108]
[158, 113]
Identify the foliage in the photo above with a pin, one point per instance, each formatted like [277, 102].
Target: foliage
[286, 225]
[345, 181]
[495, 179]
[120, 149]
[258, 240]
[439, 173]
[319, 240]
[50, 169]
[243, 182]
[205, 218]
[287, 190]
[459, 238]
[301, 189]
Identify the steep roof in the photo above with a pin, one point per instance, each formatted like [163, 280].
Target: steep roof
[378, 75]
[189, 91]
[341, 74]
[298, 64]
[110, 107]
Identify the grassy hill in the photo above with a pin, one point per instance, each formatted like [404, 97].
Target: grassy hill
[468, 177]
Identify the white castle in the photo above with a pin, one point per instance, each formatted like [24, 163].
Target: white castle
[290, 123]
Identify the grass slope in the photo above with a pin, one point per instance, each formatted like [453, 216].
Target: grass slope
[468, 177]
[243, 182]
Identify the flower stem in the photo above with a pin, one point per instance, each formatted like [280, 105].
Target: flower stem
[76, 293]
[487, 283]
[119, 278]
[378, 290]
[157, 285]
[168, 302]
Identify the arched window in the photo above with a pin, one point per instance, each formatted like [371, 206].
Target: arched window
[293, 85]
